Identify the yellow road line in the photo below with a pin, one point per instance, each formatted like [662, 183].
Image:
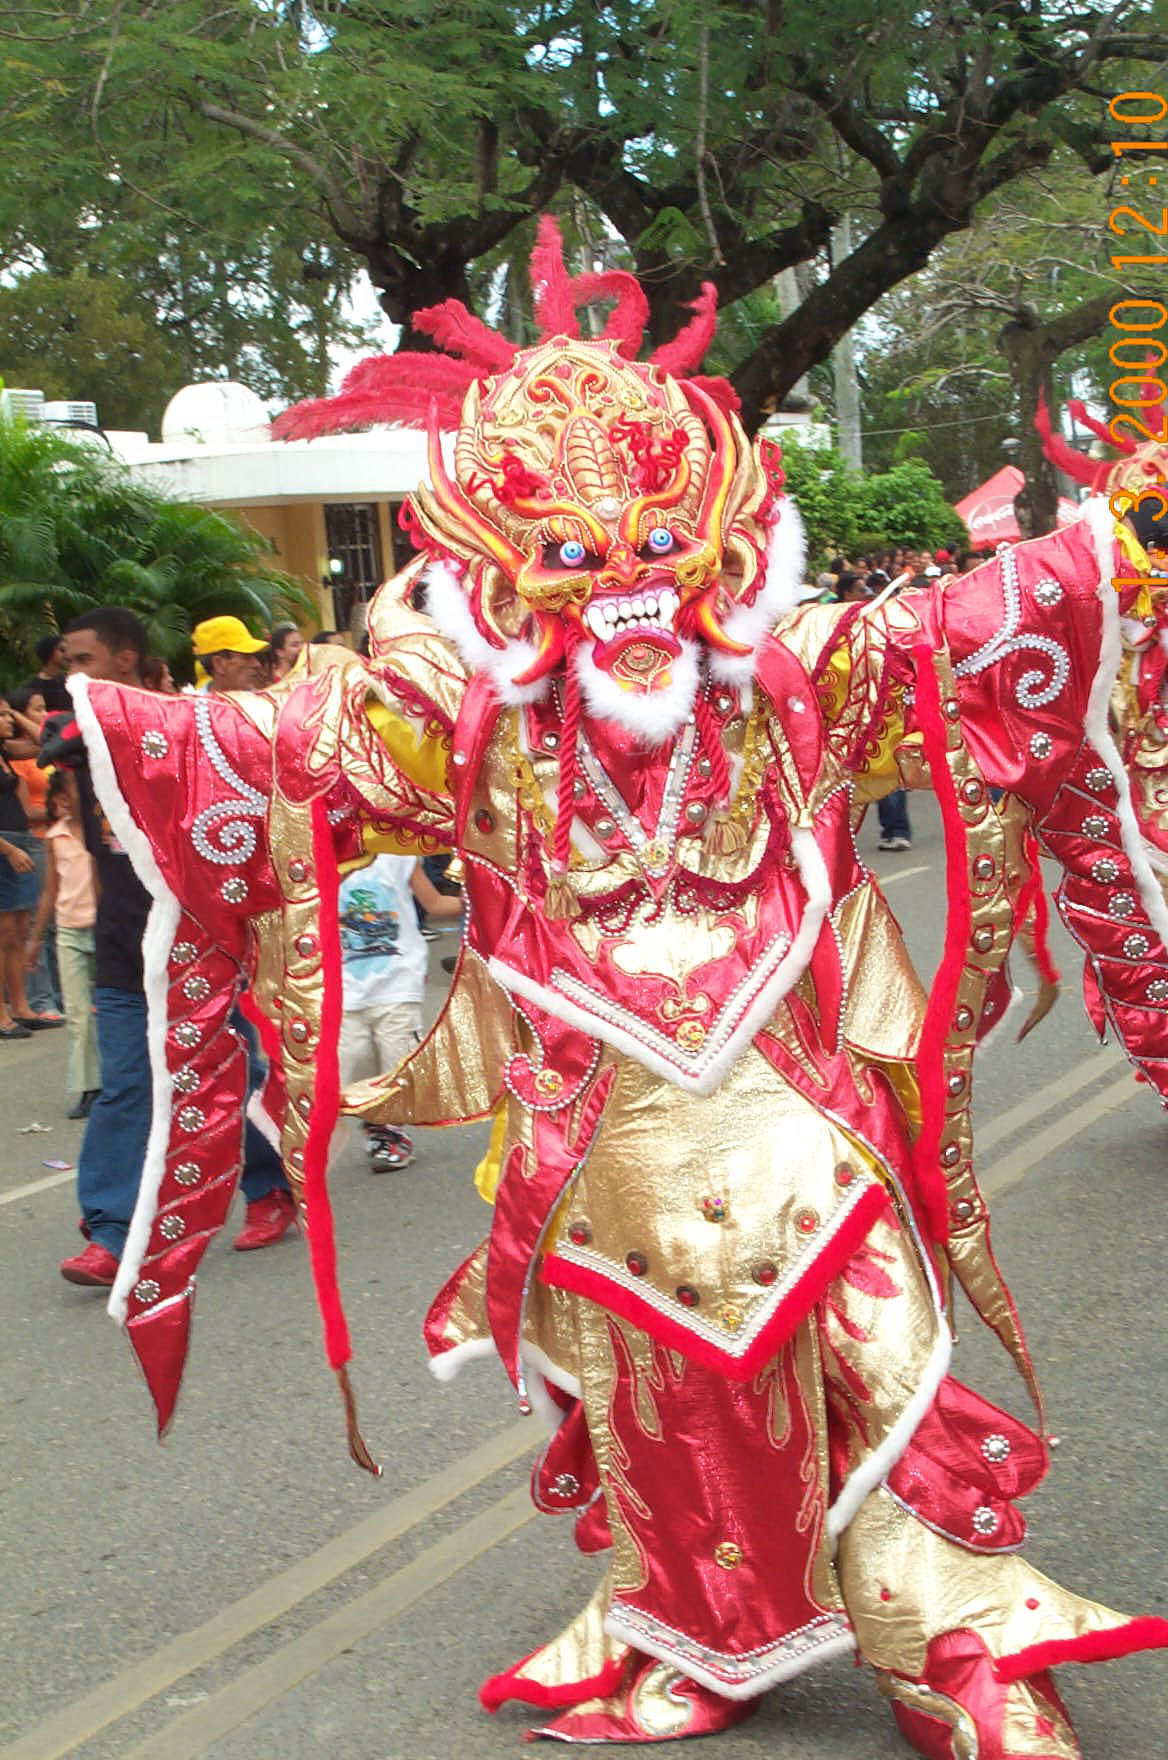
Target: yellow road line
[189, 1736]
[117, 1698]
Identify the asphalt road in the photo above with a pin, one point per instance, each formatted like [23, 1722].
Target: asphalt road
[244, 1592]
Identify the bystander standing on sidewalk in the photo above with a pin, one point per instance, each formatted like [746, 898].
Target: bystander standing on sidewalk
[69, 899]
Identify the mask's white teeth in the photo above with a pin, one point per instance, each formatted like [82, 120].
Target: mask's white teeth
[667, 604]
[650, 604]
[594, 618]
[625, 608]
[637, 607]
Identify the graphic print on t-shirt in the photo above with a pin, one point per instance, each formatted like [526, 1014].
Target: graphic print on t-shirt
[367, 931]
[383, 955]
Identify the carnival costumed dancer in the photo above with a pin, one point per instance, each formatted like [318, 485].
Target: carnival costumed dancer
[731, 1175]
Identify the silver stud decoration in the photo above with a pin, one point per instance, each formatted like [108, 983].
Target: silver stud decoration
[1121, 904]
[187, 1173]
[187, 1035]
[234, 890]
[1157, 990]
[183, 952]
[1094, 825]
[607, 507]
[579, 789]
[550, 742]
[796, 705]
[196, 989]
[191, 1118]
[984, 1520]
[951, 1155]
[971, 791]
[983, 867]
[963, 1019]
[705, 768]
[185, 1080]
[1041, 745]
[983, 938]
[1136, 946]
[605, 827]
[299, 1030]
[297, 870]
[1098, 777]
[955, 1084]
[695, 812]
[952, 708]
[147, 1290]
[963, 1210]
[460, 758]
[996, 1449]
[1105, 870]
[171, 1227]
[1048, 593]
[722, 703]
[306, 946]
[565, 1485]
[155, 744]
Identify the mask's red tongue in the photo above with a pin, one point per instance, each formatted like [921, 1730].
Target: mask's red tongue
[639, 660]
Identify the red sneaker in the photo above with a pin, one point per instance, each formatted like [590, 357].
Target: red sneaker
[95, 1266]
[266, 1221]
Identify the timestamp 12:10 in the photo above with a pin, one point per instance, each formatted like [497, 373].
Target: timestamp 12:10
[1152, 108]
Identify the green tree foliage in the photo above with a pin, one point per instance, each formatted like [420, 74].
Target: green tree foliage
[844, 510]
[906, 505]
[87, 336]
[826, 491]
[78, 530]
[707, 139]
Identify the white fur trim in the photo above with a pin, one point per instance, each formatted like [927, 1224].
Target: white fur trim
[653, 716]
[780, 594]
[1098, 724]
[161, 929]
[997, 1031]
[447, 1364]
[537, 1366]
[447, 605]
[873, 1470]
[704, 1075]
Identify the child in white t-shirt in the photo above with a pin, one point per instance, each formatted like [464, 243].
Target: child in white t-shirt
[383, 968]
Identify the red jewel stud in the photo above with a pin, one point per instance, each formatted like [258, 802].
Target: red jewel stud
[845, 1173]
[637, 1263]
[484, 821]
[579, 1233]
[765, 1273]
[886, 1594]
[687, 1295]
[1033, 1603]
[807, 1221]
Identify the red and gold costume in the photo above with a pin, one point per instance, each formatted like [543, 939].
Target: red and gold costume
[731, 1172]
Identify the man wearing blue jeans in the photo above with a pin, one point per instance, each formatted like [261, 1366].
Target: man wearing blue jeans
[110, 643]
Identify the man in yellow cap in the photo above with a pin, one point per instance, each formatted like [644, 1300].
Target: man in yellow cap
[231, 659]
[228, 654]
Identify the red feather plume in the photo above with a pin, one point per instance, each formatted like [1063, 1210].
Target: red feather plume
[691, 344]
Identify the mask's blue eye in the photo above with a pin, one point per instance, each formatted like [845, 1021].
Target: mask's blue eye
[661, 540]
[572, 553]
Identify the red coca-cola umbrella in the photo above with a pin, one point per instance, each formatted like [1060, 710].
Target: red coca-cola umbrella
[988, 512]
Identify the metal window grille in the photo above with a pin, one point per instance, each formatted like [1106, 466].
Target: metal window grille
[354, 541]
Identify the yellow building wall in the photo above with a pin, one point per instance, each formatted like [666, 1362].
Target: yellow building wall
[296, 529]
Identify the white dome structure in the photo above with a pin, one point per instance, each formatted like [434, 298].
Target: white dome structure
[219, 412]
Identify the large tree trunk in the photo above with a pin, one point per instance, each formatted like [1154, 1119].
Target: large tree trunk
[1031, 346]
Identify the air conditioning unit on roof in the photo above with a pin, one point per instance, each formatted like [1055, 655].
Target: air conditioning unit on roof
[16, 402]
[70, 415]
